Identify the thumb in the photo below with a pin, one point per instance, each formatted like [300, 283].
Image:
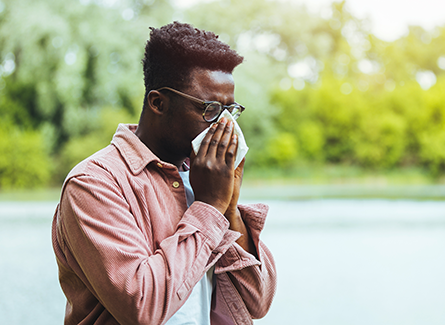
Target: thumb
[239, 171]
[192, 157]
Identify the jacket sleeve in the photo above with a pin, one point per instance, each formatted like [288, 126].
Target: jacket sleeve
[104, 246]
[255, 280]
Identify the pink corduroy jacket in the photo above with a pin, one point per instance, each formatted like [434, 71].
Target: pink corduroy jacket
[129, 251]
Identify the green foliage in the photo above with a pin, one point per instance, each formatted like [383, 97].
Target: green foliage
[377, 128]
[380, 140]
[79, 148]
[431, 150]
[312, 140]
[70, 59]
[60, 64]
[24, 162]
[431, 133]
[318, 89]
[280, 151]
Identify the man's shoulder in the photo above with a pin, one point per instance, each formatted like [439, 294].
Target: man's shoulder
[103, 163]
[123, 159]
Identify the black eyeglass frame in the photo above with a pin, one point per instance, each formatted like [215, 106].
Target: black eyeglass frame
[235, 109]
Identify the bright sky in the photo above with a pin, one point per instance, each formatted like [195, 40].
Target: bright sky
[389, 18]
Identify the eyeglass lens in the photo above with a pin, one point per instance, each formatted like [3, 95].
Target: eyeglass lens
[213, 110]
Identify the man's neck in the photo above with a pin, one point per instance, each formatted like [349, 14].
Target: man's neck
[158, 149]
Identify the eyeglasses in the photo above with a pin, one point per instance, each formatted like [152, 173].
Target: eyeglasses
[212, 109]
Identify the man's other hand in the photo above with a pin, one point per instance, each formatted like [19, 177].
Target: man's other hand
[232, 209]
[212, 173]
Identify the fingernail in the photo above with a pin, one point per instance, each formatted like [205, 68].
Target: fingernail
[223, 120]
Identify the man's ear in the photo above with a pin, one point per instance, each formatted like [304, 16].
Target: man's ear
[156, 102]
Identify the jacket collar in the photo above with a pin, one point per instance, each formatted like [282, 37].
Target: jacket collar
[135, 153]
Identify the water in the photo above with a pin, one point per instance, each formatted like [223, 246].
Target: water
[339, 262]
[29, 290]
[361, 262]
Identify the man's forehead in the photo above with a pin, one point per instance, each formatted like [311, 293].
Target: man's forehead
[201, 74]
[212, 81]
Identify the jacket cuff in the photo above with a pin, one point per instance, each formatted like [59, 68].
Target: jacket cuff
[235, 259]
[207, 220]
[254, 215]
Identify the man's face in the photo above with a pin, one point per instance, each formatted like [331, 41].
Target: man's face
[185, 120]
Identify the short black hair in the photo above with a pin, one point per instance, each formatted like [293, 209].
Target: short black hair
[174, 50]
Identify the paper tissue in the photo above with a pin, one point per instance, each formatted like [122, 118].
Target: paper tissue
[242, 146]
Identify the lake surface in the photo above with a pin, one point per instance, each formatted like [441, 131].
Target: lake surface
[340, 262]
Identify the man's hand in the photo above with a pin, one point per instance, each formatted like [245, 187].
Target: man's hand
[233, 214]
[232, 210]
[212, 169]
[214, 180]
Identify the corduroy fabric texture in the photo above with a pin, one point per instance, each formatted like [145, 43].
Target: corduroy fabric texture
[129, 251]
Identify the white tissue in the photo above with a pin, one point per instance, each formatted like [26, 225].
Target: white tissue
[242, 146]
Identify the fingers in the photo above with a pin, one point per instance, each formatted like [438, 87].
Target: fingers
[218, 140]
[231, 152]
[192, 156]
[240, 169]
[225, 140]
[206, 141]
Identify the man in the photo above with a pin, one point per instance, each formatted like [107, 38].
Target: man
[140, 241]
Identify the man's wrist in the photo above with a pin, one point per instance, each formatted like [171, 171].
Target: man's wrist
[233, 215]
[216, 205]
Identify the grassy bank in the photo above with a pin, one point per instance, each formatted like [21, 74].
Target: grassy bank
[337, 181]
[42, 194]
[313, 174]
[309, 182]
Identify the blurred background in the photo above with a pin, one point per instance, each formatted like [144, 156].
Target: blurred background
[345, 122]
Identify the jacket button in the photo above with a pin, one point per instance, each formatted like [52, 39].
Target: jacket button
[175, 184]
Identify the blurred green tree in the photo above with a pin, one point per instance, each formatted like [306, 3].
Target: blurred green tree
[319, 87]
[61, 63]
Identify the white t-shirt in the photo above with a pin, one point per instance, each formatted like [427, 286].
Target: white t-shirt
[196, 310]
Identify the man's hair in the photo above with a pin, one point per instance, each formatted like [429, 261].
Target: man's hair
[174, 50]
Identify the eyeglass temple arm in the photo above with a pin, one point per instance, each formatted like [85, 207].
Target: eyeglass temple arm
[182, 94]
